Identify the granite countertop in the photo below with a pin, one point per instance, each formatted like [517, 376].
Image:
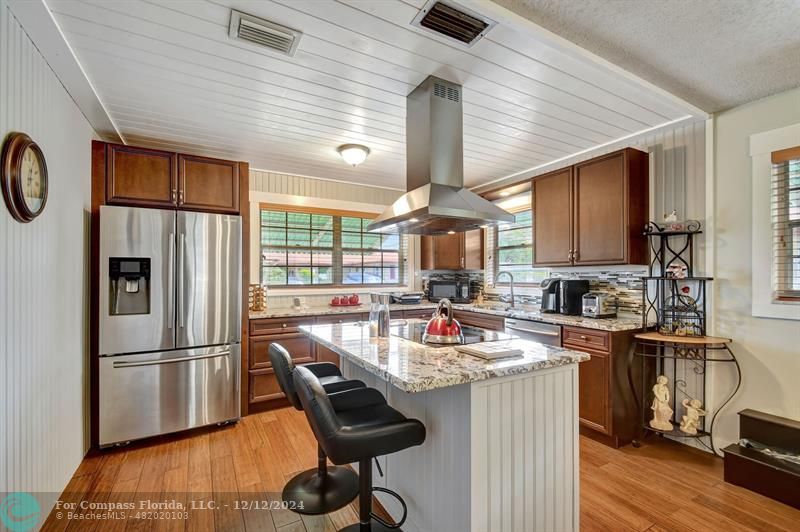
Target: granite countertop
[328, 309]
[630, 323]
[414, 367]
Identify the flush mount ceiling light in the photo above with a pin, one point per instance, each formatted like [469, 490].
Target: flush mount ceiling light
[353, 154]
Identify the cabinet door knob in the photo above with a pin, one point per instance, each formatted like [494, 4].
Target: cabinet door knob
[283, 325]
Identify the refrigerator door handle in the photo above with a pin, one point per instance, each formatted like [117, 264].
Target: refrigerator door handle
[171, 283]
[181, 259]
[171, 360]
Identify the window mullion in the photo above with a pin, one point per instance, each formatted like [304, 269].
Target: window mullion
[336, 263]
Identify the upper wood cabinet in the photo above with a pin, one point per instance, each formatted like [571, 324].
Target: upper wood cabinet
[143, 177]
[552, 205]
[208, 184]
[447, 254]
[592, 213]
[459, 251]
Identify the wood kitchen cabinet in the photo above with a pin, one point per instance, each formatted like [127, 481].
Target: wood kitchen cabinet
[592, 213]
[459, 251]
[552, 207]
[606, 406]
[142, 177]
[208, 184]
[264, 393]
[480, 320]
[263, 389]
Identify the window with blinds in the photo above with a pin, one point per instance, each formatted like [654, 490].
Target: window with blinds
[512, 246]
[786, 224]
[309, 247]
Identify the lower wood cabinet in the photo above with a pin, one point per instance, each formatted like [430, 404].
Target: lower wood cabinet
[326, 355]
[342, 318]
[264, 392]
[263, 389]
[606, 405]
[419, 314]
[477, 319]
[593, 395]
[298, 345]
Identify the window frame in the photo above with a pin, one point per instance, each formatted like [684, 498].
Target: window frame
[762, 147]
[786, 233]
[337, 251]
[496, 255]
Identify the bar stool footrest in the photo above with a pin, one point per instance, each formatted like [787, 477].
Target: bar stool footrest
[375, 526]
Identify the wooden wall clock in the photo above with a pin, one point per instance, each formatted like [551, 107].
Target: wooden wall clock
[24, 177]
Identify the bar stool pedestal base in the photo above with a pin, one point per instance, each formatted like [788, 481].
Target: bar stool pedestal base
[311, 493]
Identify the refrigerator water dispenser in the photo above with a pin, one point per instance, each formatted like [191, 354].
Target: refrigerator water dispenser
[129, 285]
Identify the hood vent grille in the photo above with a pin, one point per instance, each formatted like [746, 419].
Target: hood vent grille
[446, 92]
[452, 21]
[263, 33]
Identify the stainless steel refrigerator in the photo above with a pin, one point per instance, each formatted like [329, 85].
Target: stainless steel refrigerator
[170, 321]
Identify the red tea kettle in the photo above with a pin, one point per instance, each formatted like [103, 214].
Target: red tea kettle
[443, 329]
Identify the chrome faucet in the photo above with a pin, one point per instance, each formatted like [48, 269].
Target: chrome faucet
[511, 284]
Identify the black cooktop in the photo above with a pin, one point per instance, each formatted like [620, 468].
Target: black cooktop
[472, 335]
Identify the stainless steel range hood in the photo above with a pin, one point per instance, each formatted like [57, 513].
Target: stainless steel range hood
[436, 201]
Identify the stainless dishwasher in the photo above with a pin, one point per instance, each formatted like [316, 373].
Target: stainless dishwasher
[535, 331]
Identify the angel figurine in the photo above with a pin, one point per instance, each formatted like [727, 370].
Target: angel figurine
[662, 412]
[691, 420]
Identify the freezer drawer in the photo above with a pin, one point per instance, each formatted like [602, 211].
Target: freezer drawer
[158, 393]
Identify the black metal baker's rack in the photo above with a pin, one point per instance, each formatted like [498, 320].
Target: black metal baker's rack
[675, 300]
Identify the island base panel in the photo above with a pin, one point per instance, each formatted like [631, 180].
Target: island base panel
[500, 454]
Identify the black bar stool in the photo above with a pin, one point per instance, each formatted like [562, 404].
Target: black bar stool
[356, 426]
[324, 489]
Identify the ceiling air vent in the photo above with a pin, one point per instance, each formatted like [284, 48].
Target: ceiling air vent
[453, 21]
[263, 33]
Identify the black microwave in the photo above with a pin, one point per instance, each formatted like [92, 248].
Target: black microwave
[455, 291]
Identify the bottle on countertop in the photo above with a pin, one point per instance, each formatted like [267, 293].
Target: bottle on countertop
[374, 315]
[383, 315]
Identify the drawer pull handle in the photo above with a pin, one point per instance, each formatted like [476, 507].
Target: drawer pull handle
[283, 325]
[583, 337]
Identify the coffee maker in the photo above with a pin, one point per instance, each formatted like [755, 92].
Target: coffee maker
[570, 296]
[550, 295]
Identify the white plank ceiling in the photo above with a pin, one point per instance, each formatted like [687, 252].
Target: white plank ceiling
[170, 77]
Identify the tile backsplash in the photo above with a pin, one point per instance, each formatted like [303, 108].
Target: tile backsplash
[626, 286]
[475, 278]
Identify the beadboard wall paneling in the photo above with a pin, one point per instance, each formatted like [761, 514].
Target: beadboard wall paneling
[296, 185]
[43, 280]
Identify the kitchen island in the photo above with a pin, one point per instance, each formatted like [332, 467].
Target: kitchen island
[502, 436]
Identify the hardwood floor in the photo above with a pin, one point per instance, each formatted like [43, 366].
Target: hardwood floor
[660, 487]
